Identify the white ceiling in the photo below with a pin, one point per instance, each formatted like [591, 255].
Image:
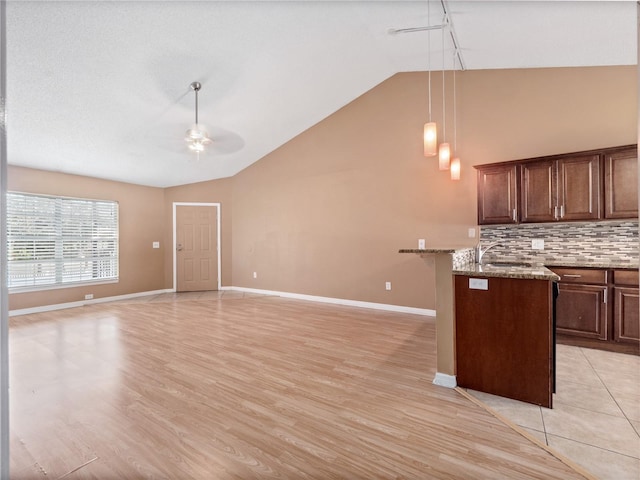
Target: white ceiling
[102, 88]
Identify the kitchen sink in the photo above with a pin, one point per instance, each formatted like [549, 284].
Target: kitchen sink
[508, 264]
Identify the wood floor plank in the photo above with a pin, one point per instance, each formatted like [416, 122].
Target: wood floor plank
[246, 387]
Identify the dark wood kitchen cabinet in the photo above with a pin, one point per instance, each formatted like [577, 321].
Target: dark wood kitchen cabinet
[538, 191]
[598, 308]
[579, 190]
[561, 189]
[620, 183]
[582, 186]
[581, 307]
[497, 194]
[626, 307]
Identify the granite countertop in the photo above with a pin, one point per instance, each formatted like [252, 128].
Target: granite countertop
[537, 269]
[533, 272]
[597, 263]
[432, 250]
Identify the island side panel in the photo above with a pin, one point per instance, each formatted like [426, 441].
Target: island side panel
[445, 336]
[504, 338]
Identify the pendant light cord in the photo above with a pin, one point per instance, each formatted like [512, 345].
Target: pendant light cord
[455, 127]
[444, 122]
[429, 53]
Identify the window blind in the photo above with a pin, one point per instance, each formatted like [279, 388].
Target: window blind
[58, 240]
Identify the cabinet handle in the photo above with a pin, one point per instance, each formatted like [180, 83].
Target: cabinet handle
[571, 275]
[555, 212]
[515, 215]
[561, 211]
[605, 296]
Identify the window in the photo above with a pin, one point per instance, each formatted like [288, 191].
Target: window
[54, 241]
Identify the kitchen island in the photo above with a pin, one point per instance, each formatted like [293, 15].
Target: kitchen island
[496, 336]
[505, 332]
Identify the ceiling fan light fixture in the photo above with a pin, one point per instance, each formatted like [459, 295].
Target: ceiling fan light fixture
[197, 132]
[197, 136]
[196, 146]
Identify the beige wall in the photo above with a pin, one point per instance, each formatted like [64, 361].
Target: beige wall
[215, 191]
[326, 213]
[141, 212]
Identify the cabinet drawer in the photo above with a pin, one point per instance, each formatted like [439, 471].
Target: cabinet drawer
[581, 275]
[625, 277]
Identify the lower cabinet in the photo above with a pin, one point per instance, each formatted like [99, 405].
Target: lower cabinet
[598, 308]
[626, 307]
[581, 310]
[581, 307]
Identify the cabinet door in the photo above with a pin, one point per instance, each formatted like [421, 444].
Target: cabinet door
[497, 198]
[538, 183]
[581, 310]
[579, 195]
[621, 184]
[627, 321]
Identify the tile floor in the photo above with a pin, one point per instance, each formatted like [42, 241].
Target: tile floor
[595, 420]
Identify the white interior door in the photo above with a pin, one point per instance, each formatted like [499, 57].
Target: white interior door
[196, 248]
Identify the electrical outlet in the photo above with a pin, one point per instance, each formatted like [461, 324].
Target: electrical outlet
[421, 244]
[537, 244]
[156, 244]
[387, 285]
[88, 296]
[472, 233]
[478, 284]
[255, 274]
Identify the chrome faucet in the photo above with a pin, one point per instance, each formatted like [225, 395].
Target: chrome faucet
[480, 252]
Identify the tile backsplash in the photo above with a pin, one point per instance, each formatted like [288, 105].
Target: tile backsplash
[584, 241]
[463, 257]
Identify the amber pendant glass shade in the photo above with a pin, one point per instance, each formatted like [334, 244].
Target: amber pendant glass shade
[430, 139]
[444, 155]
[455, 169]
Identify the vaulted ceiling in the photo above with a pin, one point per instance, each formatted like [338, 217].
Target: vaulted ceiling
[101, 88]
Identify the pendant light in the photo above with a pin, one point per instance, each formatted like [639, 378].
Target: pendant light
[444, 151]
[455, 163]
[197, 137]
[430, 133]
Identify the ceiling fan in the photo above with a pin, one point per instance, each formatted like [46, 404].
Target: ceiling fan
[160, 132]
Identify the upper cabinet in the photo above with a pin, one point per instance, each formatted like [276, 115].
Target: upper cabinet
[562, 189]
[539, 185]
[579, 186]
[620, 185]
[497, 194]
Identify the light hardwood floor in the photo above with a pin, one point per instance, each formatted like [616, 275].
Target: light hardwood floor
[231, 387]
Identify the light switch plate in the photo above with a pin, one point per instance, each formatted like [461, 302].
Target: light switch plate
[537, 244]
[472, 233]
[421, 244]
[156, 244]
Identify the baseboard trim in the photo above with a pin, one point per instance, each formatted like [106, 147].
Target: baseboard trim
[82, 303]
[339, 301]
[298, 296]
[445, 380]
